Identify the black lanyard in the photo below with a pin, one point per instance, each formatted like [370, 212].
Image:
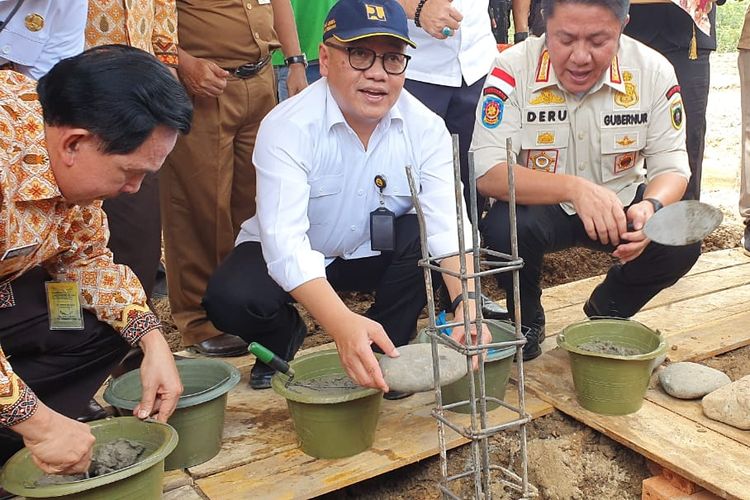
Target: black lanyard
[10, 16]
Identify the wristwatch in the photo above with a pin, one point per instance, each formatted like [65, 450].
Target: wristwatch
[299, 59]
[656, 203]
[520, 36]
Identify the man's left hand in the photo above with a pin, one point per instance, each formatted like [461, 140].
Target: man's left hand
[635, 242]
[459, 334]
[159, 377]
[296, 80]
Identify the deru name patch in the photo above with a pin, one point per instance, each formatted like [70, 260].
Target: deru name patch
[550, 115]
[492, 111]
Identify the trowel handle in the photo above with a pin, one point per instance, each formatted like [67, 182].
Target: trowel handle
[271, 359]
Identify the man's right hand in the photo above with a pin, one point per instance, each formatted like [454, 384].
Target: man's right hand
[600, 210]
[58, 444]
[201, 77]
[438, 14]
[354, 338]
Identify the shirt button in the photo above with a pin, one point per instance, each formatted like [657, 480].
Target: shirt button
[581, 135]
[6, 49]
[256, 35]
[353, 228]
[361, 192]
[249, 6]
[583, 166]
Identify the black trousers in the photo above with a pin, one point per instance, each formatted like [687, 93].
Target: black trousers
[547, 228]
[457, 106]
[64, 368]
[135, 231]
[242, 299]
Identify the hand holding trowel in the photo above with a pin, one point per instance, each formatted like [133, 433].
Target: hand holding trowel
[682, 223]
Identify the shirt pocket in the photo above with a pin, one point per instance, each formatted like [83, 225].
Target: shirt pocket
[324, 199]
[545, 148]
[620, 151]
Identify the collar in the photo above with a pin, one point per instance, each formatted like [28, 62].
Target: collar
[35, 179]
[545, 75]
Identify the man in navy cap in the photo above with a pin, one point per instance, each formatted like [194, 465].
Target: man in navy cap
[334, 206]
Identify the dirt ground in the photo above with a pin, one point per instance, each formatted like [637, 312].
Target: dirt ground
[566, 459]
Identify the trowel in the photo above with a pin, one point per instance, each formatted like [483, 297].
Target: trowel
[682, 223]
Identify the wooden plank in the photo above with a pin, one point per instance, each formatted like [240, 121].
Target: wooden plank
[183, 493]
[406, 433]
[709, 459]
[174, 479]
[710, 339]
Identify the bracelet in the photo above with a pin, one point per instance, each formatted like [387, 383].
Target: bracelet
[459, 299]
[520, 36]
[656, 203]
[418, 12]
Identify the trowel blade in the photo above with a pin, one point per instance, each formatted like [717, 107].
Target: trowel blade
[683, 223]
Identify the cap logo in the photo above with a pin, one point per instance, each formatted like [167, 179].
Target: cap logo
[330, 25]
[375, 12]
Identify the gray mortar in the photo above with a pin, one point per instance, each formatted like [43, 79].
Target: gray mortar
[609, 347]
[109, 457]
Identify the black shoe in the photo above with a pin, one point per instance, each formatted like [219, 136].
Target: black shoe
[261, 373]
[746, 239]
[593, 308]
[492, 310]
[535, 334]
[223, 345]
[394, 395]
[93, 411]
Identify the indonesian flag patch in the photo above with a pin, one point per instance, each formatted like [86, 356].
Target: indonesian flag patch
[501, 80]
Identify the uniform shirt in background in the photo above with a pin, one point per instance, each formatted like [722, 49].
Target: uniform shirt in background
[71, 240]
[149, 25]
[228, 32]
[41, 33]
[632, 117]
[465, 56]
[316, 183]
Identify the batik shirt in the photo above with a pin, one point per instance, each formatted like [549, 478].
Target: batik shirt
[39, 228]
[149, 25]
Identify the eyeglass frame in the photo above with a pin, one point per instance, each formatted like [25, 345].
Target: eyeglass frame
[375, 56]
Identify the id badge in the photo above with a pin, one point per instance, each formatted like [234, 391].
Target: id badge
[64, 305]
[382, 230]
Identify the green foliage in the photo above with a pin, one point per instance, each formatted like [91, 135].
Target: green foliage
[729, 20]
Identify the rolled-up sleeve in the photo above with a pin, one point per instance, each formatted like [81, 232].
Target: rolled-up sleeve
[111, 291]
[282, 178]
[17, 402]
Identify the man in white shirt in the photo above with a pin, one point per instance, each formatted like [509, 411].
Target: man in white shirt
[328, 162]
[597, 123]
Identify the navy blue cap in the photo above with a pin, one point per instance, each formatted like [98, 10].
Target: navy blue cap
[350, 20]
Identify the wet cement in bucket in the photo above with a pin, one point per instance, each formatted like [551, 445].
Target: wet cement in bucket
[109, 457]
[609, 347]
[330, 383]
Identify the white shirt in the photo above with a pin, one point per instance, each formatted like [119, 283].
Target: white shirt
[467, 55]
[628, 128]
[35, 51]
[315, 183]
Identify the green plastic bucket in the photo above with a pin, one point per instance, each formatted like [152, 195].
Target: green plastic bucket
[199, 417]
[141, 480]
[496, 370]
[611, 384]
[331, 423]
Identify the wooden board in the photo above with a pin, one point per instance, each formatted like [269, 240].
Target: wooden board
[406, 433]
[714, 461]
[183, 493]
[175, 479]
[710, 338]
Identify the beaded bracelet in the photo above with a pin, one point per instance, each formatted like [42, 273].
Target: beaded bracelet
[418, 12]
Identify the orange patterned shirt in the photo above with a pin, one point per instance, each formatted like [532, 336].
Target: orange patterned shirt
[149, 25]
[39, 228]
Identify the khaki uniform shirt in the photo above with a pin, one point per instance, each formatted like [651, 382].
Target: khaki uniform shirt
[228, 32]
[632, 116]
[39, 228]
[149, 25]
[744, 42]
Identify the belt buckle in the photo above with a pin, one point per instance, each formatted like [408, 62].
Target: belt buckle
[246, 70]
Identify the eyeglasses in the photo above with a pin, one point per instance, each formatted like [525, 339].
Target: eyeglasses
[362, 59]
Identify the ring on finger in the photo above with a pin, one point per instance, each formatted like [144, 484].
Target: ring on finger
[447, 31]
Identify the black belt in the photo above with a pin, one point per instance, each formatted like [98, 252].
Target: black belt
[249, 69]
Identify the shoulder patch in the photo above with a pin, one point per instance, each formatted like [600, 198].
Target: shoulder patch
[672, 91]
[676, 113]
[496, 92]
[501, 80]
[492, 111]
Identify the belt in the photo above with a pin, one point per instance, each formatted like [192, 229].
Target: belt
[249, 69]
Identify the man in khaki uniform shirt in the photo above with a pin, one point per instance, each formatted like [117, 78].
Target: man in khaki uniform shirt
[743, 64]
[597, 123]
[208, 182]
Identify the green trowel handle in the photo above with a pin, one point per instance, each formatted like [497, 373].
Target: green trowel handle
[270, 358]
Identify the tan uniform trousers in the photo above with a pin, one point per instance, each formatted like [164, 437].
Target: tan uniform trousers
[208, 191]
[743, 64]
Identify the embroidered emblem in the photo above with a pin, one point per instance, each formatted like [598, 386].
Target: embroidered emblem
[672, 91]
[501, 80]
[33, 22]
[542, 69]
[6, 295]
[331, 24]
[675, 112]
[495, 91]
[630, 97]
[548, 97]
[375, 12]
[492, 111]
[624, 140]
[624, 161]
[545, 138]
[543, 160]
[614, 71]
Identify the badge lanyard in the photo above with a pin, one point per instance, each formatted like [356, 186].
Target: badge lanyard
[10, 16]
[382, 222]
